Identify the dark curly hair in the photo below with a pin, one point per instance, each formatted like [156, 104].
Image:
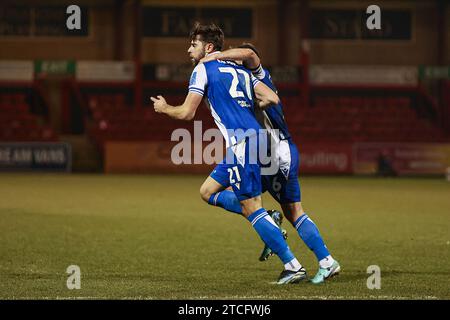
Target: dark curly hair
[210, 33]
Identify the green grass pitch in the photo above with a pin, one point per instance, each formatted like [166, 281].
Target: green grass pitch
[151, 237]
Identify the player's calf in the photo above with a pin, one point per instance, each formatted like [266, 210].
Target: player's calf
[215, 194]
[278, 219]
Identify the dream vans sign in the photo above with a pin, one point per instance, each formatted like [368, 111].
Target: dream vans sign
[38, 156]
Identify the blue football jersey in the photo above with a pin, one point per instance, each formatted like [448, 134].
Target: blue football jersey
[274, 113]
[229, 89]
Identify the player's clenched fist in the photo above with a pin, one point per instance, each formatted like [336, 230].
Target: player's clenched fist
[159, 104]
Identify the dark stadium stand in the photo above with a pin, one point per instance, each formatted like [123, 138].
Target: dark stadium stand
[328, 120]
[112, 119]
[348, 119]
[17, 123]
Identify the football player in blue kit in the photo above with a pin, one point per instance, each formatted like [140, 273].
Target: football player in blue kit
[231, 90]
[284, 185]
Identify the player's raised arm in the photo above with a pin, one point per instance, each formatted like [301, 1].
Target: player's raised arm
[186, 111]
[265, 96]
[248, 57]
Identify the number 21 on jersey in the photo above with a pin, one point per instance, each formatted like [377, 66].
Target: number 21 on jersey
[234, 172]
[234, 92]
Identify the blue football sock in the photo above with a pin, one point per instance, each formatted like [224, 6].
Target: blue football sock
[271, 234]
[226, 199]
[309, 233]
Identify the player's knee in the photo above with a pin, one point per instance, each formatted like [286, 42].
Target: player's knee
[205, 194]
[292, 211]
[251, 205]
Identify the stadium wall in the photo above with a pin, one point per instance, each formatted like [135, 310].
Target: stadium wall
[422, 48]
[276, 31]
[98, 45]
[392, 159]
[264, 32]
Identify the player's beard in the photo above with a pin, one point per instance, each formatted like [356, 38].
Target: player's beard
[196, 61]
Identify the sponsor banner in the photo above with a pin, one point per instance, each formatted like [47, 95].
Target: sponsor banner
[174, 21]
[35, 156]
[334, 24]
[182, 72]
[148, 157]
[105, 71]
[40, 20]
[16, 70]
[350, 24]
[324, 158]
[156, 157]
[395, 25]
[51, 21]
[401, 159]
[434, 72]
[357, 75]
[44, 68]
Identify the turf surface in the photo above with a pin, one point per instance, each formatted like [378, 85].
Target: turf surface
[151, 237]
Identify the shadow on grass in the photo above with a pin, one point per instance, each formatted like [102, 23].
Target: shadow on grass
[355, 275]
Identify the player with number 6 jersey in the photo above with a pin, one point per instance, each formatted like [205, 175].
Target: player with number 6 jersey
[284, 185]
